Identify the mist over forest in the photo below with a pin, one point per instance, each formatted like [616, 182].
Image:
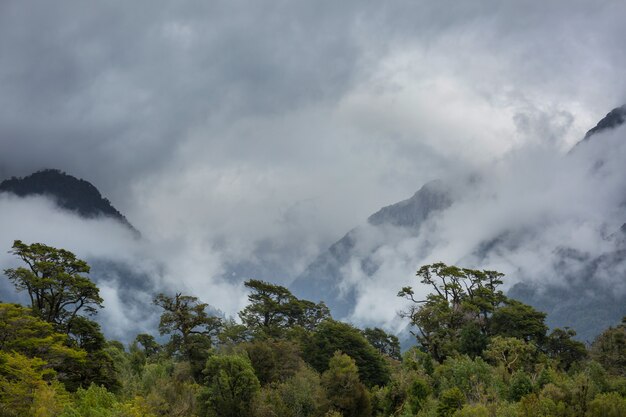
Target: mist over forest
[205, 155]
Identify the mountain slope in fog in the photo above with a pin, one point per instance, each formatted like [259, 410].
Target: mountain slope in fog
[68, 192]
[322, 279]
[574, 293]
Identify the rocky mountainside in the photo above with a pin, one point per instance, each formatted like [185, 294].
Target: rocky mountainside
[596, 306]
[613, 119]
[69, 193]
[321, 280]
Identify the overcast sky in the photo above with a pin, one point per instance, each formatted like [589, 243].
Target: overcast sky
[222, 127]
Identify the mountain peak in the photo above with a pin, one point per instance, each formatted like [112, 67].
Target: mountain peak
[413, 211]
[613, 119]
[69, 192]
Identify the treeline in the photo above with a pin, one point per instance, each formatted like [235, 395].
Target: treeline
[478, 353]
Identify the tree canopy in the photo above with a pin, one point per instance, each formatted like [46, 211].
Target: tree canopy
[54, 282]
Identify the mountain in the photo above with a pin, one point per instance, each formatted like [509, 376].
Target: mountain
[322, 279]
[69, 193]
[613, 119]
[582, 300]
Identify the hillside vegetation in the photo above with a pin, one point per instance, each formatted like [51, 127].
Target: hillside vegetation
[478, 353]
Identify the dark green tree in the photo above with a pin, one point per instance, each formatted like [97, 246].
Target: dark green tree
[560, 346]
[519, 320]
[450, 401]
[385, 343]
[460, 297]
[99, 367]
[332, 336]
[148, 344]
[519, 386]
[273, 360]
[465, 309]
[231, 387]
[345, 391]
[609, 349]
[273, 309]
[54, 281]
[191, 327]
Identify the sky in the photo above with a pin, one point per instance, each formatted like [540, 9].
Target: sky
[237, 130]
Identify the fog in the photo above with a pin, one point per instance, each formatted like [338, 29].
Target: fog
[242, 139]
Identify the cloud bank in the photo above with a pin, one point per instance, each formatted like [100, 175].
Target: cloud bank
[230, 131]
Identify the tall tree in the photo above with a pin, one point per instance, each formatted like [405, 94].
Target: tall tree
[191, 327]
[346, 393]
[54, 281]
[332, 336]
[464, 309]
[273, 308]
[385, 343]
[231, 387]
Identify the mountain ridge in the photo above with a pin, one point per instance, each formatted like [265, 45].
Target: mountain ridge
[69, 193]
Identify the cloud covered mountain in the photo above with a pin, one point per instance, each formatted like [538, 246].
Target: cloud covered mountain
[545, 228]
[67, 191]
[554, 223]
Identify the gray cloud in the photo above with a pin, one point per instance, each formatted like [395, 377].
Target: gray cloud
[230, 130]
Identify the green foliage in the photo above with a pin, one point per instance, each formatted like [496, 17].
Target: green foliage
[520, 321]
[473, 410]
[418, 360]
[231, 387]
[273, 309]
[21, 331]
[21, 379]
[561, 347]
[332, 336]
[472, 340]
[169, 388]
[148, 344]
[510, 352]
[462, 299]
[607, 405]
[406, 392]
[472, 376]
[191, 328]
[302, 395]
[450, 401]
[520, 386]
[273, 360]
[346, 394]
[260, 370]
[609, 349]
[387, 344]
[53, 281]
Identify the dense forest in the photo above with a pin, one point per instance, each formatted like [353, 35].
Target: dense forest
[477, 353]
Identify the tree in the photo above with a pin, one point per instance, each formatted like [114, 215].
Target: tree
[386, 344]
[54, 282]
[148, 343]
[273, 308]
[608, 405]
[21, 379]
[465, 309]
[332, 336]
[609, 349]
[273, 360]
[519, 386]
[510, 352]
[519, 320]
[345, 391]
[461, 297]
[191, 327]
[231, 387]
[450, 401]
[566, 351]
